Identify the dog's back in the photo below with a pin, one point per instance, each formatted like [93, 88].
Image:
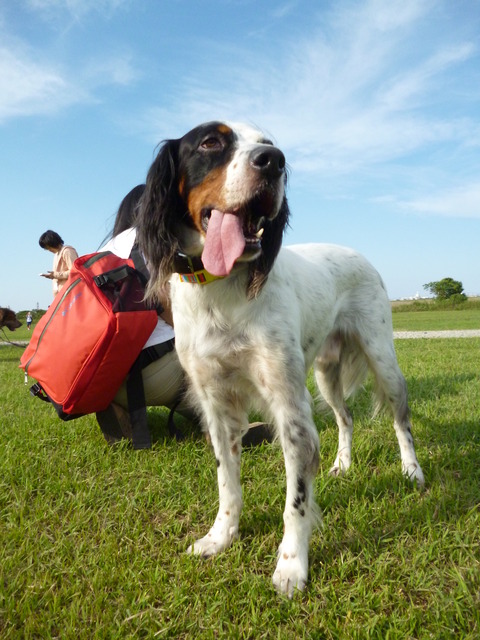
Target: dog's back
[325, 288]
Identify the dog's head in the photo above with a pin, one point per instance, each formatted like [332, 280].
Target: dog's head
[217, 193]
[9, 319]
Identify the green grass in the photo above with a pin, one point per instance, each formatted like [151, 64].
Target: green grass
[436, 320]
[92, 539]
[416, 316]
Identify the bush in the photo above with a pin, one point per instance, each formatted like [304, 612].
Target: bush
[459, 302]
[458, 298]
[445, 289]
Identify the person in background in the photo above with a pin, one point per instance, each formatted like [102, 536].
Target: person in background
[64, 257]
[29, 319]
[163, 379]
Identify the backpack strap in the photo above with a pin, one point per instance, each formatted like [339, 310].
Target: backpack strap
[137, 408]
[141, 437]
[173, 430]
[139, 262]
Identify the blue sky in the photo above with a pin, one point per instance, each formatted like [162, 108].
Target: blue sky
[376, 105]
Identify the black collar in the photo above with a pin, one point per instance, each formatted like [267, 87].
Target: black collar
[187, 264]
[191, 269]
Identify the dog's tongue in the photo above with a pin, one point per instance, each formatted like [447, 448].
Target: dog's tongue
[224, 243]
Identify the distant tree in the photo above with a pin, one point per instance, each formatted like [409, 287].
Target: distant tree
[446, 288]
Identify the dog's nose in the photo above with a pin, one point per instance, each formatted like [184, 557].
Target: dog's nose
[268, 160]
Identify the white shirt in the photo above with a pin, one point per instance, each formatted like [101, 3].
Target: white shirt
[121, 246]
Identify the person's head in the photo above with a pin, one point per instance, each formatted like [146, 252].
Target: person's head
[50, 240]
[127, 211]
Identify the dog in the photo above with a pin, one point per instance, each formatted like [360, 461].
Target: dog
[252, 318]
[8, 318]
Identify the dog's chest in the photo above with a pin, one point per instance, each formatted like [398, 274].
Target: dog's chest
[211, 336]
[220, 334]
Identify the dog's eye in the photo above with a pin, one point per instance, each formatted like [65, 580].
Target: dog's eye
[211, 144]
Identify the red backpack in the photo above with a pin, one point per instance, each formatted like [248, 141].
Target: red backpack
[89, 340]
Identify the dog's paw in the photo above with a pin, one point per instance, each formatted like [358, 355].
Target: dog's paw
[290, 574]
[414, 473]
[336, 471]
[341, 465]
[211, 544]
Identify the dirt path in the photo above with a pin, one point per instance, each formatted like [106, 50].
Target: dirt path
[463, 333]
[398, 335]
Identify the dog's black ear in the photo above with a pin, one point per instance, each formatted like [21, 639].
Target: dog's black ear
[158, 212]
[271, 243]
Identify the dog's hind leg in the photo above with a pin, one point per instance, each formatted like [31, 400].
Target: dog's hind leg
[392, 390]
[225, 432]
[327, 370]
[300, 443]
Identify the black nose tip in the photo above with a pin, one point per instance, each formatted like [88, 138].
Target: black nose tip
[269, 160]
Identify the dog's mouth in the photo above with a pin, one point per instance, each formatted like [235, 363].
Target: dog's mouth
[13, 324]
[234, 234]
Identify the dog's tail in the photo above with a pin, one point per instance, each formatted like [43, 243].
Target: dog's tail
[354, 367]
[342, 361]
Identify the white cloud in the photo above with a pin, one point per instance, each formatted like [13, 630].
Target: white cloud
[461, 202]
[77, 9]
[359, 94]
[388, 16]
[284, 9]
[116, 70]
[368, 85]
[349, 96]
[34, 82]
[28, 87]
[410, 87]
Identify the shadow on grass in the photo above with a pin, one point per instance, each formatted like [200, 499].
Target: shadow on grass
[423, 388]
[11, 353]
[420, 389]
[449, 452]
[158, 424]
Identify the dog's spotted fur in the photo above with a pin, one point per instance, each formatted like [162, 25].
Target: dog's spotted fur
[248, 340]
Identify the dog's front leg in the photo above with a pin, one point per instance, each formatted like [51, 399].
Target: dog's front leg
[227, 446]
[300, 445]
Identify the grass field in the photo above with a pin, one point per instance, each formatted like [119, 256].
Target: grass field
[405, 318]
[436, 320]
[92, 539]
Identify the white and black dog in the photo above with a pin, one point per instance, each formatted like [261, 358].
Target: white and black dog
[251, 319]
